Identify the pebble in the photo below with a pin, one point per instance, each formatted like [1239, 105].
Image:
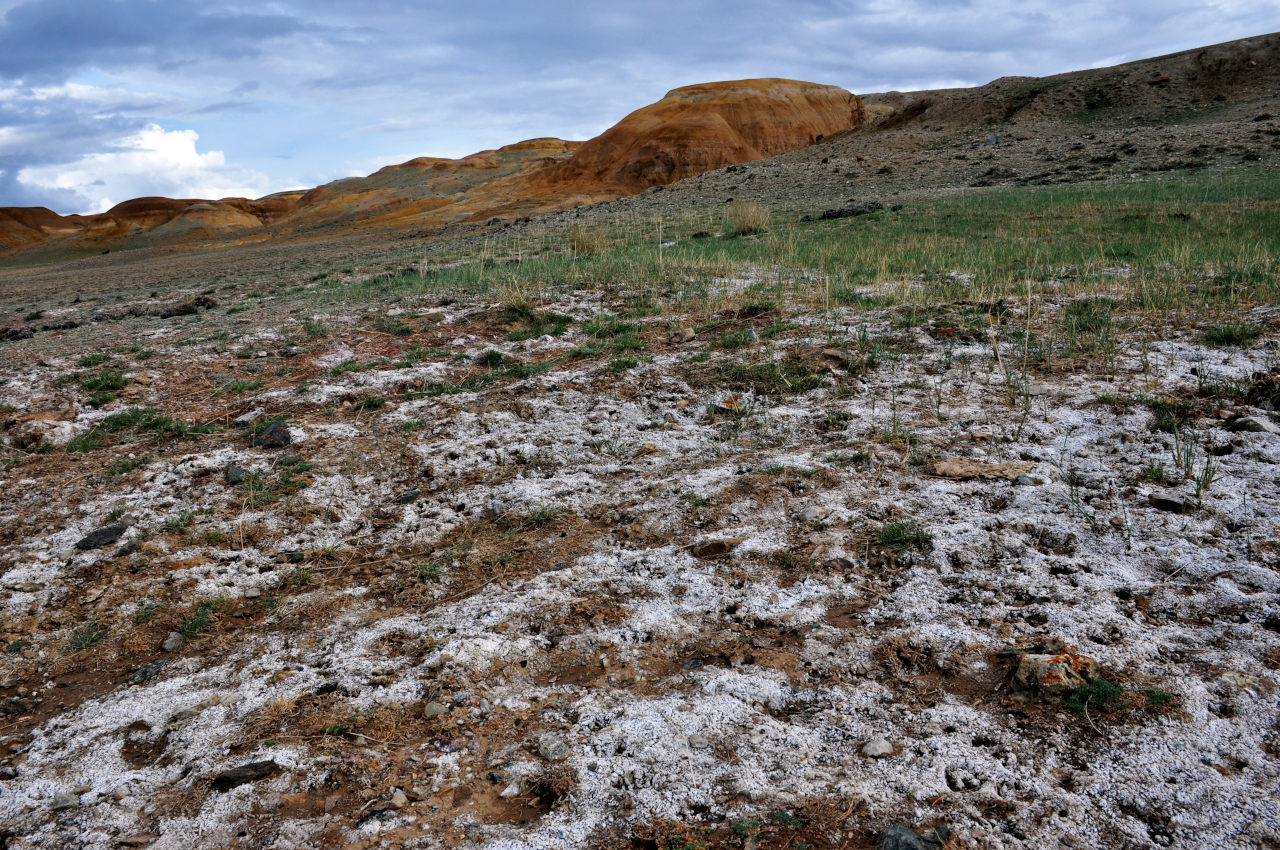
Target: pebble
[233, 475]
[173, 642]
[510, 791]
[552, 748]
[274, 436]
[698, 741]
[900, 837]
[252, 593]
[434, 709]
[399, 800]
[63, 800]
[877, 747]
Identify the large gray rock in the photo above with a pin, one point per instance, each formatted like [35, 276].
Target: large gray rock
[104, 536]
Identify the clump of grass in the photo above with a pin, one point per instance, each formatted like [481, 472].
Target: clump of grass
[90, 634]
[737, 339]
[1231, 333]
[534, 323]
[314, 329]
[107, 381]
[371, 402]
[492, 358]
[544, 516]
[201, 619]
[239, 386]
[179, 523]
[904, 534]
[586, 242]
[137, 420]
[93, 360]
[1099, 694]
[1155, 473]
[622, 364]
[771, 377]
[747, 218]
[146, 612]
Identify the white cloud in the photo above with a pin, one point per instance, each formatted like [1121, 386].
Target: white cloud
[153, 161]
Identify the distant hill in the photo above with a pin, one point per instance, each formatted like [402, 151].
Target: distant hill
[691, 130]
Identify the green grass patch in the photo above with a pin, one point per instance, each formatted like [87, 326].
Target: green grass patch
[1231, 334]
[904, 534]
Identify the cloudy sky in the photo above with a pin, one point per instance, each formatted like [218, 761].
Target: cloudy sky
[104, 100]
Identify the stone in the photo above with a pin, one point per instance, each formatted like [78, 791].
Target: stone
[850, 210]
[715, 548]
[963, 469]
[699, 741]
[253, 593]
[237, 776]
[510, 791]
[64, 800]
[1170, 502]
[173, 642]
[409, 496]
[900, 837]
[147, 672]
[1057, 673]
[244, 420]
[274, 436]
[552, 748]
[814, 513]
[104, 536]
[399, 800]
[682, 335]
[433, 709]
[1255, 424]
[877, 747]
[233, 475]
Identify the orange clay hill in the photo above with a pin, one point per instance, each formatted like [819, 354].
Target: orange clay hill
[691, 130]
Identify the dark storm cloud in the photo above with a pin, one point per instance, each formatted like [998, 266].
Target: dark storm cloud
[52, 39]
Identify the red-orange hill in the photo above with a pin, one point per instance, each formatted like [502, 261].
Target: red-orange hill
[691, 130]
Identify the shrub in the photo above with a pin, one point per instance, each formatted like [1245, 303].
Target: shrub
[747, 217]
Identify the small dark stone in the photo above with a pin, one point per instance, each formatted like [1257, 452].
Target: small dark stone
[104, 536]
[852, 210]
[251, 772]
[13, 334]
[409, 496]
[692, 664]
[295, 557]
[274, 436]
[233, 475]
[147, 672]
[899, 837]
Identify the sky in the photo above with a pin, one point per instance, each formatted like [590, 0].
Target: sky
[106, 100]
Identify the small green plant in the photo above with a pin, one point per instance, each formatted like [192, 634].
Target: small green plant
[123, 465]
[300, 577]
[746, 828]
[622, 364]
[785, 819]
[856, 458]
[1155, 473]
[314, 329]
[1099, 695]
[214, 538]
[904, 534]
[146, 612]
[1159, 699]
[144, 354]
[1231, 334]
[491, 358]
[179, 523]
[101, 399]
[16, 646]
[371, 402]
[106, 381]
[737, 339]
[544, 516]
[115, 514]
[201, 619]
[91, 633]
[92, 360]
[239, 386]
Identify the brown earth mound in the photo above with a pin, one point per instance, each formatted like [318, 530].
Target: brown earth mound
[691, 130]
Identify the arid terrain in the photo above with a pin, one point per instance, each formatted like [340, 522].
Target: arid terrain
[915, 487]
